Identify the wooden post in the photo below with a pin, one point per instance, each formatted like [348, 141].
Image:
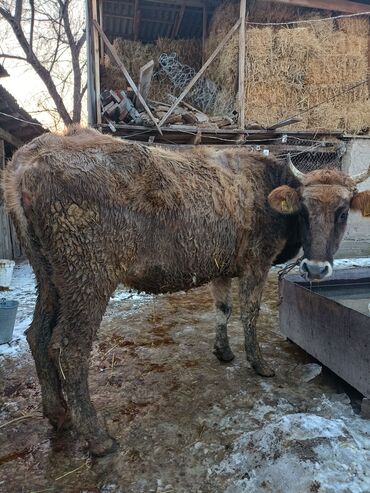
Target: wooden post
[121, 65]
[136, 20]
[176, 26]
[95, 39]
[204, 32]
[368, 57]
[241, 89]
[101, 23]
[201, 71]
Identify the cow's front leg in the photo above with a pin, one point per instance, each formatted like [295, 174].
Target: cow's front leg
[221, 290]
[251, 285]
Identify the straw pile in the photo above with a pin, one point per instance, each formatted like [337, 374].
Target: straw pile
[135, 54]
[292, 68]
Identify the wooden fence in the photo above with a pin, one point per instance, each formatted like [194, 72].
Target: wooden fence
[9, 244]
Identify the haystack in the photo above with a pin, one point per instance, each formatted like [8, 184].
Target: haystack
[135, 54]
[291, 68]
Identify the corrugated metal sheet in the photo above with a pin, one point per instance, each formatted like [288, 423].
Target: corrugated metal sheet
[157, 19]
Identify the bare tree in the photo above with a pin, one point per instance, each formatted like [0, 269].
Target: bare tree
[49, 36]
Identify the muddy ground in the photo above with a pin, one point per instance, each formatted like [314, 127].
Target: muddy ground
[185, 423]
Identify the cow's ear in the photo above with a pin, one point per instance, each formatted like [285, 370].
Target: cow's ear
[361, 202]
[285, 200]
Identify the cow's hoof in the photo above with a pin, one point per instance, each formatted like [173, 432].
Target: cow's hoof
[103, 447]
[225, 354]
[263, 369]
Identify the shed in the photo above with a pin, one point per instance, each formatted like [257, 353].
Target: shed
[16, 128]
[147, 21]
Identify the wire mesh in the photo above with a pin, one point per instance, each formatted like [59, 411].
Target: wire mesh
[202, 95]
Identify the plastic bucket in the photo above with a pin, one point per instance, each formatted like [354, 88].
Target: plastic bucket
[8, 311]
[6, 273]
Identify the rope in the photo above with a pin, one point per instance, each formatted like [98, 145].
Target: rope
[283, 272]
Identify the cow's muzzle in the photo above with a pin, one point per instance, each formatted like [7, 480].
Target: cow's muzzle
[315, 270]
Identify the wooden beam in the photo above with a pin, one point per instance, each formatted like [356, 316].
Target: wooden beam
[368, 59]
[204, 31]
[121, 65]
[95, 39]
[284, 123]
[241, 88]
[334, 5]
[195, 79]
[176, 26]
[136, 21]
[101, 23]
[8, 137]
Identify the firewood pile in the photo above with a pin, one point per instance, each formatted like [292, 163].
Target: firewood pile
[123, 107]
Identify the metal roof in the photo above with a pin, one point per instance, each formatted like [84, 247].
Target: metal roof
[154, 18]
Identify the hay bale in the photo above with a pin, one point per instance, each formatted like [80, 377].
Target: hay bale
[292, 68]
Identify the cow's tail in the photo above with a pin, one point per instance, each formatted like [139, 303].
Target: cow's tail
[18, 192]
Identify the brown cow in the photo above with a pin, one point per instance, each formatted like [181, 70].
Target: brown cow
[93, 211]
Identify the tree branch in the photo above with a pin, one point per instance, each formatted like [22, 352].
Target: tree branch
[32, 6]
[13, 57]
[32, 59]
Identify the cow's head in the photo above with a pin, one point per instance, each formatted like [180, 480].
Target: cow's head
[322, 203]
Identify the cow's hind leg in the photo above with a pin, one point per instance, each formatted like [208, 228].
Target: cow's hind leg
[221, 290]
[251, 285]
[82, 308]
[38, 337]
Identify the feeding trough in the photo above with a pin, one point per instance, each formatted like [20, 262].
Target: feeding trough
[331, 321]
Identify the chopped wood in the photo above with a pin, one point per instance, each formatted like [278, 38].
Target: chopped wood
[188, 118]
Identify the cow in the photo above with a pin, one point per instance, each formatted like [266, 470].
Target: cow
[93, 211]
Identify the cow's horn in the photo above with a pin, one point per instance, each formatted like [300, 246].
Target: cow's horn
[298, 174]
[361, 176]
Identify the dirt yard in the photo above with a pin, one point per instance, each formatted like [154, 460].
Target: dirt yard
[185, 423]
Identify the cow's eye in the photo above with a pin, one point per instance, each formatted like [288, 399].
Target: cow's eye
[342, 216]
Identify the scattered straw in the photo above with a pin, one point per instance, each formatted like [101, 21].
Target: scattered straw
[60, 364]
[85, 464]
[20, 418]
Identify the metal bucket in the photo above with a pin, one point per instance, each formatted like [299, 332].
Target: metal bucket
[6, 273]
[8, 312]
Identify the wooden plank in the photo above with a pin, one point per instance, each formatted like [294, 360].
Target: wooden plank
[8, 137]
[145, 78]
[176, 26]
[2, 157]
[201, 71]
[368, 60]
[136, 20]
[204, 31]
[241, 89]
[284, 123]
[96, 56]
[6, 249]
[334, 5]
[121, 65]
[101, 23]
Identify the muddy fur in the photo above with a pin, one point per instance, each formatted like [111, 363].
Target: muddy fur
[93, 211]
